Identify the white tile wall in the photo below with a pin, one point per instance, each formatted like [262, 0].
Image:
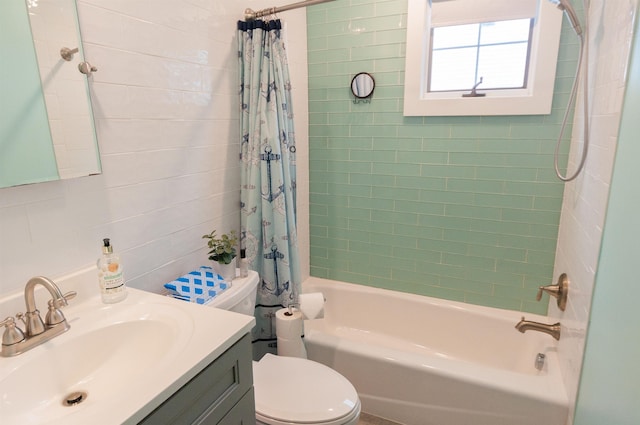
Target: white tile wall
[165, 105]
[585, 199]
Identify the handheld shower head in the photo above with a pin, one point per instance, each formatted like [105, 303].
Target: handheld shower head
[565, 5]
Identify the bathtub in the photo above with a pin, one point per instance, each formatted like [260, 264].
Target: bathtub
[425, 361]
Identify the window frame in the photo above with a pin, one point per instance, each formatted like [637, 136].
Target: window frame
[534, 99]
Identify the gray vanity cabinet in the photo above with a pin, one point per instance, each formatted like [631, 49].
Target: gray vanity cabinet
[222, 394]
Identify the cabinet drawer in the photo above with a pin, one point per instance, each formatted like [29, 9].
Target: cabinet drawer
[211, 393]
[243, 413]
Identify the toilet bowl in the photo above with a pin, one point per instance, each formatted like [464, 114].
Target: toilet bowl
[291, 390]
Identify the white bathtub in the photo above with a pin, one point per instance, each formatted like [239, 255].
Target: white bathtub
[424, 361]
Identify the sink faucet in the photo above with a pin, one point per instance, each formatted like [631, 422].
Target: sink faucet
[527, 325]
[37, 331]
[33, 321]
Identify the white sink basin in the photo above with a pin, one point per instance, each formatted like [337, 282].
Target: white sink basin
[121, 361]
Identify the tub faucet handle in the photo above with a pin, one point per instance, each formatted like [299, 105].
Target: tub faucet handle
[559, 291]
[552, 290]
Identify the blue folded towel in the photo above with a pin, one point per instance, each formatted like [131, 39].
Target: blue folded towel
[198, 286]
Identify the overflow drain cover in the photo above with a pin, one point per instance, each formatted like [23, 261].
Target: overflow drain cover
[74, 398]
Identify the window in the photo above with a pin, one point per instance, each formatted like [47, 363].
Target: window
[454, 45]
[496, 52]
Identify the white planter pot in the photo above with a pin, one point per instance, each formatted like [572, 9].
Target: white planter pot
[227, 271]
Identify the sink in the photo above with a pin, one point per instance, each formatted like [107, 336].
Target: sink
[98, 360]
[117, 362]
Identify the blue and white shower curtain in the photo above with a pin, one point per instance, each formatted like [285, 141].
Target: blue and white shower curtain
[268, 174]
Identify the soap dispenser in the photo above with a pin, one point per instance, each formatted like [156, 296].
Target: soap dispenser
[110, 275]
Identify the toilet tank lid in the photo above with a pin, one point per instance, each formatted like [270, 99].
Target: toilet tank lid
[241, 287]
[290, 389]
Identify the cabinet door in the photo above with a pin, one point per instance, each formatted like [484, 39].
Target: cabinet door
[210, 394]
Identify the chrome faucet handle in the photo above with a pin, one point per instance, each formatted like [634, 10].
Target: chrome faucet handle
[559, 291]
[12, 333]
[54, 315]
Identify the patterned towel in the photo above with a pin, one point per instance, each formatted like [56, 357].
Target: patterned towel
[198, 286]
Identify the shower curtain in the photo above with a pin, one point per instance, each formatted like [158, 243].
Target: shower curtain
[268, 174]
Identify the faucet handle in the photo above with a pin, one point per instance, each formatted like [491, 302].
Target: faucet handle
[559, 291]
[12, 333]
[62, 301]
[54, 315]
[552, 290]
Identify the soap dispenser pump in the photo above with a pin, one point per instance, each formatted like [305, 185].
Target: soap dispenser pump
[110, 275]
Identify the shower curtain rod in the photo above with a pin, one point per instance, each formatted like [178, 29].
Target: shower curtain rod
[250, 14]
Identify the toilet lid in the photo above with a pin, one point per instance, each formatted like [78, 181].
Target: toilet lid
[300, 390]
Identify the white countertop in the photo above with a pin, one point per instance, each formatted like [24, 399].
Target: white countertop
[209, 332]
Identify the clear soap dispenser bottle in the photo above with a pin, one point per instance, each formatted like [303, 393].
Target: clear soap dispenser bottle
[110, 276]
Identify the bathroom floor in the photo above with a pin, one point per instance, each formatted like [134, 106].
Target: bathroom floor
[366, 419]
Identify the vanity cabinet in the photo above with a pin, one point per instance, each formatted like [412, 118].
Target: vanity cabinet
[221, 394]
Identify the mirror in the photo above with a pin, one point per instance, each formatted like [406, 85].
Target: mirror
[46, 121]
[362, 85]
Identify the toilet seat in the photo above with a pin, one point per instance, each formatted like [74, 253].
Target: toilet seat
[291, 390]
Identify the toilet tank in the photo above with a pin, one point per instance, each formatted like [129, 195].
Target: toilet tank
[241, 297]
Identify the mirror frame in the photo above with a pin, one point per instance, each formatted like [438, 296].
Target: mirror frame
[354, 88]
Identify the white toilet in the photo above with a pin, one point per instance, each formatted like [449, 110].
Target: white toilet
[290, 390]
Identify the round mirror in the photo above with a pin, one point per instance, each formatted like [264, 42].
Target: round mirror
[362, 85]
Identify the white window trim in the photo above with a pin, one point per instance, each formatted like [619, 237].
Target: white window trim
[534, 100]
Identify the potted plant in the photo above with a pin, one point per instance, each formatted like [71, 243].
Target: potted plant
[222, 251]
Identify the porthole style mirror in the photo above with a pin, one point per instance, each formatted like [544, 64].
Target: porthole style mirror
[362, 86]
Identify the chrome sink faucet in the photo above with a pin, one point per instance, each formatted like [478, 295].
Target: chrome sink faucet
[527, 325]
[37, 331]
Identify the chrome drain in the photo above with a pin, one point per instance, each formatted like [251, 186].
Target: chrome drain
[74, 399]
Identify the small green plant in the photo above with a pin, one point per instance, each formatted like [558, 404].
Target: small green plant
[223, 249]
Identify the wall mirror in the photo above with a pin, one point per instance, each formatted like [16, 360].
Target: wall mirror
[47, 130]
[362, 85]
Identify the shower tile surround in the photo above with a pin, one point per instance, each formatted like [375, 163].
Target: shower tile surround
[394, 155]
[586, 199]
[462, 208]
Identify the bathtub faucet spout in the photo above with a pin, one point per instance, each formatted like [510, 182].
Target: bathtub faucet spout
[527, 325]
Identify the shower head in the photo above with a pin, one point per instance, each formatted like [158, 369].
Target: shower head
[565, 5]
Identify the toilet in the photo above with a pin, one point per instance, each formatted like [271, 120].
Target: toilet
[291, 390]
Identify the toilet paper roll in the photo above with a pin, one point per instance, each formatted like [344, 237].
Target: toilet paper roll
[289, 327]
[312, 305]
[292, 348]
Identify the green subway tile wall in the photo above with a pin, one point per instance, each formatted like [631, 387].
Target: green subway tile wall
[461, 208]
